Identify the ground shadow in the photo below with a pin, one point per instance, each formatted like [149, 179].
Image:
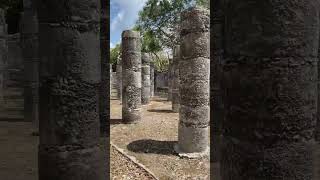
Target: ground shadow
[116, 121]
[150, 146]
[13, 120]
[160, 110]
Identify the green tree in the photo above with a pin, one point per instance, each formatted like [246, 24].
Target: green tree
[160, 18]
[114, 54]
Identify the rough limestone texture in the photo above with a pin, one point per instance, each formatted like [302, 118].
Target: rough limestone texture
[217, 50]
[270, 89]
[194, 69]
[119, 79]
[152, 79]
[175, 80]
[131, 77]
[3, 56]
[145, 78]
[30, 45]
[70, 78]
[104, 108]
[170, 80]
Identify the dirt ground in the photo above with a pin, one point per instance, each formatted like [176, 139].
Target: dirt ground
[151, 141]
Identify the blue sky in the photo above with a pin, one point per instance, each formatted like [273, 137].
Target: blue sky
[124, 14]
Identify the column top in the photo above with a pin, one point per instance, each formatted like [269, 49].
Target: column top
[131, 34]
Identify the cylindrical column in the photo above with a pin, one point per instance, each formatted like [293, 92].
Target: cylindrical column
[70, 78]
[3, 55]
[145, 78]
[270, 89]
[217, 49]
[151, 79]
[29, 41]
[119, 79]
[194, 69]
[111, 79]
[131, 76]
[105, 72]
[175, 80]
[169, 80]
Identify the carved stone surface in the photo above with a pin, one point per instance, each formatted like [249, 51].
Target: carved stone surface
[131, 77]
[152, 79]
[175, 80]
[119, 79]
[30, 45]
[145, 78]
[270, 89]
[105, 69]
[193, 132]
[70, 78]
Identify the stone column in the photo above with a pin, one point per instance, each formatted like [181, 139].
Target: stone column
[216, 110]
[111, 79]
[170, 80]
[145, 78]
[175, 80]
[3, 55]
[119, 79]
[270, 89]
[30, 45]
[152, 79]
[70, 78]
[105, 72]
[194, 69]
[131, 77]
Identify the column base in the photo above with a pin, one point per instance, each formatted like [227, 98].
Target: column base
[195, 155]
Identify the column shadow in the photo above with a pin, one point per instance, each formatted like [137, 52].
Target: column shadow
[160, 110]
[116, 121]
[150, 146]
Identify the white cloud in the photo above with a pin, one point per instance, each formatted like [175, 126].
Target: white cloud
[112, 45]
[127, 15]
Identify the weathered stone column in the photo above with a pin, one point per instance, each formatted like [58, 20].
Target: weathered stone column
[105, 72]
[175, 80]
[269, 81]
[170, 80]
[3, 55]
[111, 79]
[194, 69]
[216, 109]
[131, 77]
[145, 78]
[70, 78]
[151, 79]
[119, 79]
[30, 45]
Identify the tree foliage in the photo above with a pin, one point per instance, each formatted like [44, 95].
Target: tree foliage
[114, 54]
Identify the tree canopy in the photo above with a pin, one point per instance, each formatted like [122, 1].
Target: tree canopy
[114, 54]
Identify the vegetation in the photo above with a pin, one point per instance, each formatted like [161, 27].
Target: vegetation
[114, 54]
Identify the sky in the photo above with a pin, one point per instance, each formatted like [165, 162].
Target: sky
[124, 14]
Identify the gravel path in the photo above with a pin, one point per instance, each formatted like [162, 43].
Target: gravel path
[151, 142]
[122, 168]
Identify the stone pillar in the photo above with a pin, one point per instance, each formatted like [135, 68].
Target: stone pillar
[152, 79]
[145, 79]
[131, 77]
[70, 78]
[30, 45]
[175, 80]
[3, 55]
[216, 110]
[169, 80]
[119, 79]
[111, 79]
[105, 72]
[270, 89]
[194, 69]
